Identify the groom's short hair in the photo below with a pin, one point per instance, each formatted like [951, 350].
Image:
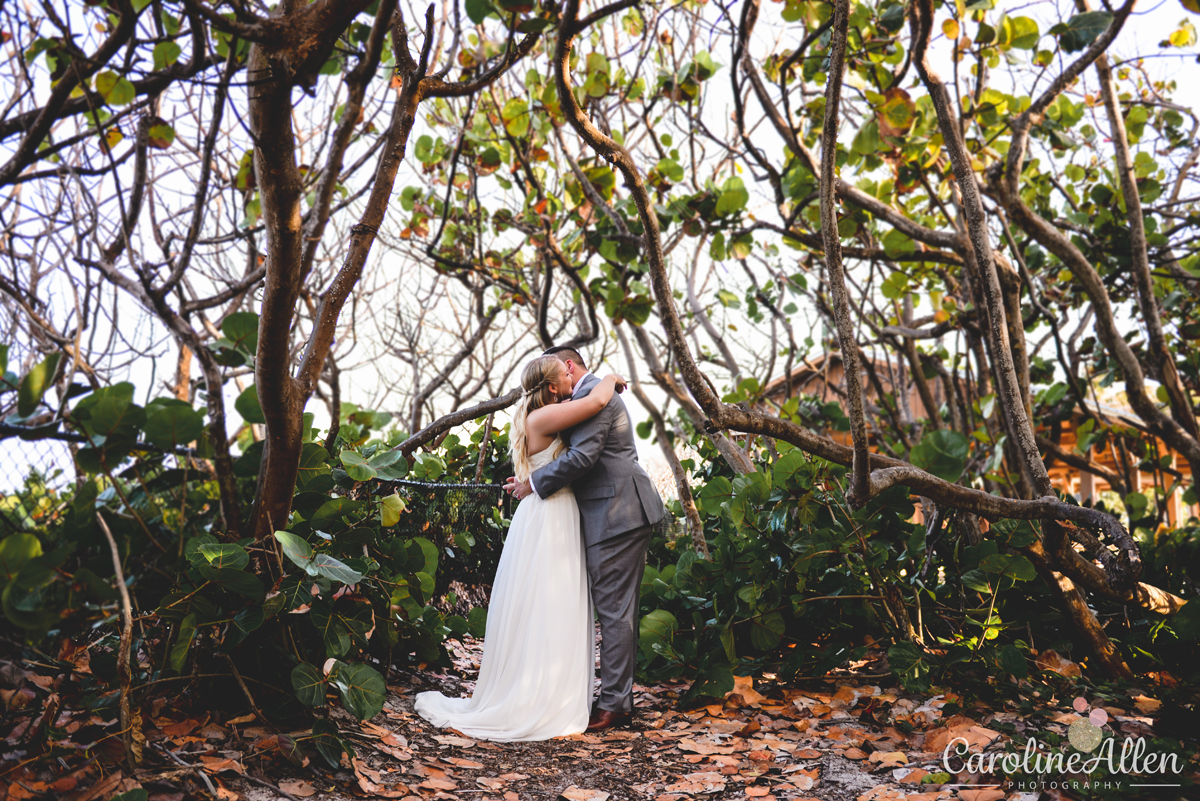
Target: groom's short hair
[565, 352]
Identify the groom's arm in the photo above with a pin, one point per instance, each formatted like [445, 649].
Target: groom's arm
[587, 443]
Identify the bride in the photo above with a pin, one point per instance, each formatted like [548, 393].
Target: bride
[536, 674]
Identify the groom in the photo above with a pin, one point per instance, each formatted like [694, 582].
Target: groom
[618, 507]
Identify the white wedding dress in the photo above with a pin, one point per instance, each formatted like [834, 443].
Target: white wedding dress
[536, 674]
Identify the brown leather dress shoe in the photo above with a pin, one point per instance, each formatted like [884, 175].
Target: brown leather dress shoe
[604, 719]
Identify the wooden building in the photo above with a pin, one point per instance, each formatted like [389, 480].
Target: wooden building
[823, 379]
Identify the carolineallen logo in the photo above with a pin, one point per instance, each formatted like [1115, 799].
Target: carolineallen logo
[1043, 768]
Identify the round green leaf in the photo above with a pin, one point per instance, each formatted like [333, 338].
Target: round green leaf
[173, 425]
[248, 406]
[309, 685]
[362, 689]
[15, 551]
[241, 329]
[225, 555]
[356, 466]
[166, 54]
[943, 453]
[767, 631]
[116, 90]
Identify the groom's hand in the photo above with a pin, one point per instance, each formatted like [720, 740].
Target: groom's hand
[520, 491]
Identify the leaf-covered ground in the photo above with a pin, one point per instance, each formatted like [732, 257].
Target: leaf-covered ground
[853, 737]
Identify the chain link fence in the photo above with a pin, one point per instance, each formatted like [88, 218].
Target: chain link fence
[32, 475]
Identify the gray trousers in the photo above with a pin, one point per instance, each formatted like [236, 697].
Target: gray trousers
[615, 569]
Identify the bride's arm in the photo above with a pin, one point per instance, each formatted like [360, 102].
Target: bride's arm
[549, 420]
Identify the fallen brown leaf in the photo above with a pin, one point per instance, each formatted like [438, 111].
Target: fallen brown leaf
[574, 793]
[450, 739]
[1050, 660]
[298, 788]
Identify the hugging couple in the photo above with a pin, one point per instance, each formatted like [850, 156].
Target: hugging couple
[586, 514]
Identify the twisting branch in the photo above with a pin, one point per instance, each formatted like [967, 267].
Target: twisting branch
[859, 479]
[442, 424]
[1161, 358]
[921, 22]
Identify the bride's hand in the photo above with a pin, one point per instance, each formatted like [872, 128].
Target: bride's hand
[621, 383]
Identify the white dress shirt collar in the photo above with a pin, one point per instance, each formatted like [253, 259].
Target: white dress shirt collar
[579, 383]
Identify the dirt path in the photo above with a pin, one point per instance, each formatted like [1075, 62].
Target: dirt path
[834, 740]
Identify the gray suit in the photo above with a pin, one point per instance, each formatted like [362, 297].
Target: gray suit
[618, 507]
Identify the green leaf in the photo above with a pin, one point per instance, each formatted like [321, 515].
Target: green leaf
[1083, 29]
[241, 329]
[390, 510]
[1012, 661]
[658, 626]
[943, 453]
[334, 633]
[1186, 621]
[895, 286]
[767, 630]
[977, 580]
[911, 664]
[866, 141]
[335, 570]
[1025, 34]
[225, 555]
[329, 745]
[356, 466]
[477, 10]
[35, 383]
[166, 54]
[248, 620]
[362, 688]
[534, 25]
[309, 685]
[384, 459]
[714, 682]
[428, 468]
[248, 406]
[233, 580]
[313, 467]
[15, 551]
[329, 516]
[710, 498]
[670, 169]
[603, 179]
[425, 559]
[733, 198]
[173, 425]
[1015, 567]
[116, 414]
[516, 116]
[131, 795]
[477, 621]
[296, 549]
[183, 641]
[116, 90]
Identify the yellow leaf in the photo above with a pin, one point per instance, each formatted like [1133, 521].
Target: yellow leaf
[950, 28]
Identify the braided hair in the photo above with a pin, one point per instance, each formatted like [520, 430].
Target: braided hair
[536, 379]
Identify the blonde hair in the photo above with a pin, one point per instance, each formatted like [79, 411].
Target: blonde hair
[536, 379]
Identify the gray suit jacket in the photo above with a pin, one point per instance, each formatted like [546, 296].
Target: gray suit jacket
[614, 493]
